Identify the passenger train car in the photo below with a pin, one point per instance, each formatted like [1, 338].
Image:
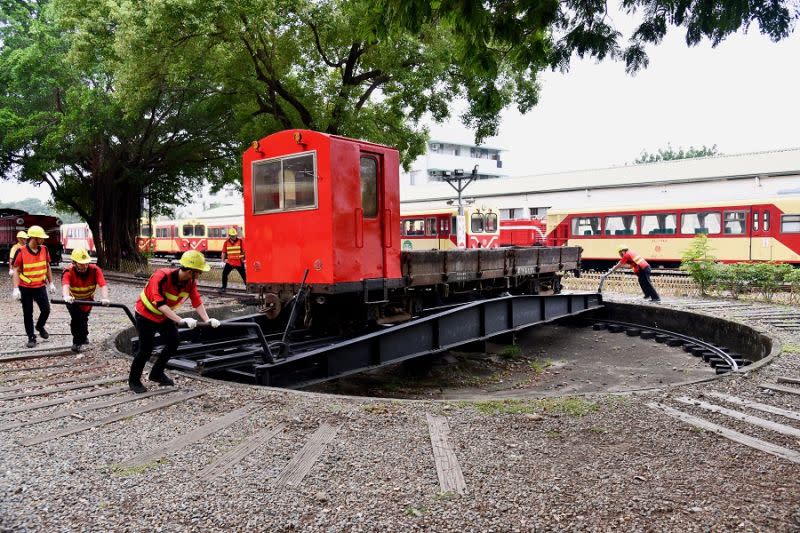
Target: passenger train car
[439, 229]
[738, 231]
[173, 237]
[15, 220]
[77, 235]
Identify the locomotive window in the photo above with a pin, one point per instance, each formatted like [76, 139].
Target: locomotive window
[790, 223]
[621, 225]
[444, 228]
[285, 184]
[491, 222]
[369, 187]
[145, 231]
[188, 230]
[755, 220]
[702, 222]
[735, 222]
[476, 223]
[660, 224]
[431, 227]
[765, 225]
[199, 230]
[585, 226]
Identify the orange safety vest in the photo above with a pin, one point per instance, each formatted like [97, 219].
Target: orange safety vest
[33, 273]
[233, 251]
[635, 260]
[174, 296]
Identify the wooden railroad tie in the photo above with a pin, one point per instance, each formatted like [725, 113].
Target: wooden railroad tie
[451, 479]
[54, 381]
[62, 388]
[755, 405]
[780, 388]
[300, 465]
[743, 417]
[234, 456]
[66, 399]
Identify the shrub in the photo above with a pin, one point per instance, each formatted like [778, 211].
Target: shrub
[699, 262]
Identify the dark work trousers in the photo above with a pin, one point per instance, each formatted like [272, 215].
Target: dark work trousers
[647, 287]
[147, 331]
[28, 296]
[79, 324]
[227, 270]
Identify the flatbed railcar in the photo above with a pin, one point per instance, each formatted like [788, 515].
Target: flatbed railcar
[322, 212]
[15, 220]
[738, 231]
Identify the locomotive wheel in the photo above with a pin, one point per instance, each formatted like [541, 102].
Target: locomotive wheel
[272, 305]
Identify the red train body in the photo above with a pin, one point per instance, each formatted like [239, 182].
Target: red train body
[14, 220]
[330, 203]
[523, 232]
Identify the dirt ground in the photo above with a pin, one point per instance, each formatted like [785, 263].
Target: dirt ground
[547, 360]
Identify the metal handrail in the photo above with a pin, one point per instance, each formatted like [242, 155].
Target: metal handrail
[95, 303]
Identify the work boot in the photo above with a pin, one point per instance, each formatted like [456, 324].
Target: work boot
[161, 379]
[31, 342]
[43, 333]
[137, 387]
[221, 290]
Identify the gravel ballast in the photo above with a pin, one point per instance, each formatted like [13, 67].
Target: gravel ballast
[596, 463]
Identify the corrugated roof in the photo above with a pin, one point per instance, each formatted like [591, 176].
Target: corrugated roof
[777, 162]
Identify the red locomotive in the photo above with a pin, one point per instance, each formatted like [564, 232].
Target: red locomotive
[14, 220]
[523, 232]
[325, 210]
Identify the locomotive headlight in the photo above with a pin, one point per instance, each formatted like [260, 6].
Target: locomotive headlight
[20, 221]
[58, 222]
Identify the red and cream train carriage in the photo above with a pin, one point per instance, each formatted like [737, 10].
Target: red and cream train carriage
[438, 229]
[737, 230]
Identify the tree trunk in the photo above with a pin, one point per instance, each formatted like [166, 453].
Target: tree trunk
[117, 212]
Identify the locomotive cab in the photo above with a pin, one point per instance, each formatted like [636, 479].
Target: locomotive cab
[325, 205]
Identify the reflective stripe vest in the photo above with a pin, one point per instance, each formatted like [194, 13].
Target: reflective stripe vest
[233, 251]
[635, 260]
[33, 271]
[162, 284]
[13, 253]
[83, 286]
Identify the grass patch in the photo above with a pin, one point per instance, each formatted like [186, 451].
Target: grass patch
[510, 352]
[553, 434]
[121, 471]
[569, 406]
[448, 495]
[540, 365]
[504, 407]
[791, 348]
[375, 408]
[415, 511]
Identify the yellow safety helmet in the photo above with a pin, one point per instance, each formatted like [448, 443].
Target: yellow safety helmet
[232, 232]
[622, 248]
[81, 256]
[37, 231]
[194, 260]
[21, 234]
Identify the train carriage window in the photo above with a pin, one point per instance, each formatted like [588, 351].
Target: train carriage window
[621, 225]
[491, 222]
[199, 230]
[145, 231]
[188, 230]
[444, 226]
[476, 223]
[755, 221]
[659, 224]
[790, 223]
[735, 222]
[701, 222]
[414, 227]
[765, 224]
[369, 186]
[430, 228]
[585, 226]
[285, 184]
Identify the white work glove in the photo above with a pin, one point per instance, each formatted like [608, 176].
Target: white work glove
[190, 323]
[69, 299]
[105, 302]
[10, 271]
[16, 294]
[214, 322]
[52, 287]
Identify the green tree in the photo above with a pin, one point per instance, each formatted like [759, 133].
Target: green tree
[670, 154]
[65, 123]
[699, 261]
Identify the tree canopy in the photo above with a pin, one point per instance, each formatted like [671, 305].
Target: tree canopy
[669, 154]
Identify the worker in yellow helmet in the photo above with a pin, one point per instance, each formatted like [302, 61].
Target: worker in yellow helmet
[31, 276]
[22, 240]
[233, 257]
[156, 313]
[79, 282]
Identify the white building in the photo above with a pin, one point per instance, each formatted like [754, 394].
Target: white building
[719, 178]
[448, 156]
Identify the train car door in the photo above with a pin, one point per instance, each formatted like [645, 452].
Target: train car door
[374, 228]
[760, 234]
[444, 242]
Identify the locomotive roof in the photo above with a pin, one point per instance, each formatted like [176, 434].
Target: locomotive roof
[722, 167]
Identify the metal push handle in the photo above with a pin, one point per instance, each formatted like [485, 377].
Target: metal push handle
[95, 303]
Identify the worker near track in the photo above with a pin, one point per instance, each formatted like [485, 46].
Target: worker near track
[640, 267]
[79, 282]
[155, 313]
[22, 240]
[31, 278]
[233, 257]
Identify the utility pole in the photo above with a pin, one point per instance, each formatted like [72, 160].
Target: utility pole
[456, 181]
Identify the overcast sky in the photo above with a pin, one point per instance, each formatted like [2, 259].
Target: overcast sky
[741, 96]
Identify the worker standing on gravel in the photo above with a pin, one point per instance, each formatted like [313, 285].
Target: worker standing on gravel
[233, 257]
[22, 240]
[31, 274]
[79, 282]
[640, 267]
[155, 313]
